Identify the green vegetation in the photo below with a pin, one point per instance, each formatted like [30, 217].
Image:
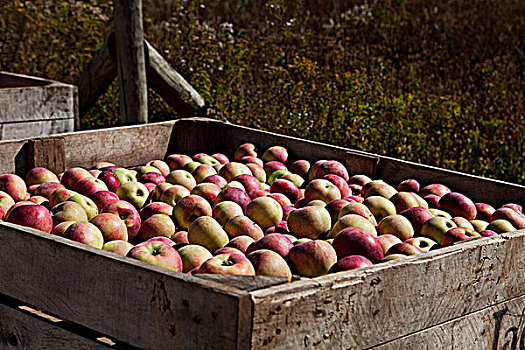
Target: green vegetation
[436, 82]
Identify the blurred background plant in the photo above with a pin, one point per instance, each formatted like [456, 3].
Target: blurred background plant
[436, 82]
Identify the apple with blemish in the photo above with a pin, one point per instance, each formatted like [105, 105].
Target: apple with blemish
[380, 207]
[189, 208]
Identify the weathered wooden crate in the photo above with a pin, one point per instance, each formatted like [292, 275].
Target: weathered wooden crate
[468, 296]
[31, 106]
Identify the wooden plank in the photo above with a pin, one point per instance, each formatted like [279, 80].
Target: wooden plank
[367, 307]
[13, 154]
[98, 75]
[29, 104]
[47, 152]
[125, 146]
[193, 135]
[37, 128]
[501, 326]
[141, 304]
[129, 39]
[171, 86]
[357, 163]
[23, 328]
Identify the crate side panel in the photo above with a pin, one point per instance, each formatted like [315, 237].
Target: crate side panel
[131, 301]
[386, 301]
[12, 131]
[195, 135]
[498, 327]
[124, 146]
[55, 101]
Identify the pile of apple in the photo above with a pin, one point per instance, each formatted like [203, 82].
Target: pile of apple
[251, 216]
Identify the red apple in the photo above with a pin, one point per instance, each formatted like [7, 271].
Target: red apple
[458, 234]
[189, 208]
[35, 216]
[110, 179]
[227, 264]
[356, 241]
[246, 149]
[300, 167]
[46, 189]
[437, 189]
[458, 204]
[155, 208]
[177, 161]
[103, 198]
[408, 185]
[68, 211]
[157, 253]
[273, 241]
[484, 211]
[89, 185]
[217, 180]
[72, 175]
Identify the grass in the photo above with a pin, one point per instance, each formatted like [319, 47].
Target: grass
[436, 82]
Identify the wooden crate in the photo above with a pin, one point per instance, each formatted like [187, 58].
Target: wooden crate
[31, 107]
[468, 296]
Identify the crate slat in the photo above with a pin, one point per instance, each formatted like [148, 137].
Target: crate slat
[138, 303]
[387, 301]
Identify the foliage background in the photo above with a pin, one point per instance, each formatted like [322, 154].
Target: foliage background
[436, 82]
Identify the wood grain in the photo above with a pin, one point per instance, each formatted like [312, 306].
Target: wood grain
[37, 103]
[360, 309]
[47, 152]
[143, 305]
[501, 326]
[129, 39]
[125, 146]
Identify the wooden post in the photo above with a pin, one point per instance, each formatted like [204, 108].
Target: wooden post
[131, 61]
